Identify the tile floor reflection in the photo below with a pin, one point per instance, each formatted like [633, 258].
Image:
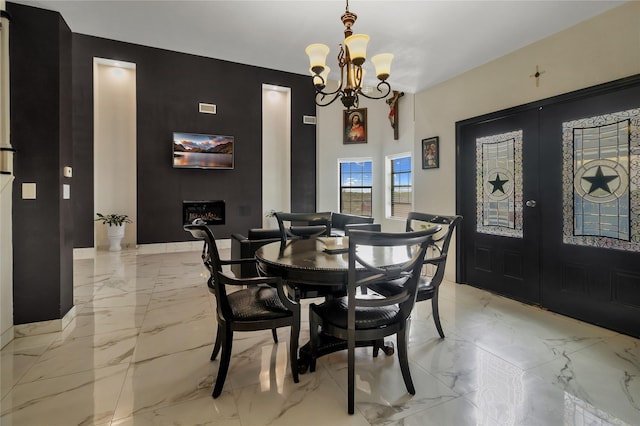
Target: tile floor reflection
[137, 353]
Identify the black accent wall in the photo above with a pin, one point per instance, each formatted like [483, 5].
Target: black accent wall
[169, 86]
[40, 51]
[52, 127]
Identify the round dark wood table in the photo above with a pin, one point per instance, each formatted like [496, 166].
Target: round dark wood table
[318, 267]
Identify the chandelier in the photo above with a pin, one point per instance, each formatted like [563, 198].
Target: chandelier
[351, 57]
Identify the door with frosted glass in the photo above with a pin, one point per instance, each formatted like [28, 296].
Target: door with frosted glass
[591, 212]
[498, 199]
[550, 193]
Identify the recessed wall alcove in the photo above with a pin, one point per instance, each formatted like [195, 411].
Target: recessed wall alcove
[114, 138]
[276, 151]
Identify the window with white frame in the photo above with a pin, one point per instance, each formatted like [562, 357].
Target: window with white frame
[356, 187]
[401, 186]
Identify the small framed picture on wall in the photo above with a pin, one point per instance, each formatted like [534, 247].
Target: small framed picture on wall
[431, 153]
[355, 126]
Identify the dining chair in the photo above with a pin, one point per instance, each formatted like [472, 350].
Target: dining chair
[363, 319]
[258, 303]
[434, 263]
[303, 225]
[362, 226]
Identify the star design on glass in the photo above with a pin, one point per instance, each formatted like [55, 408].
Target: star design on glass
[498, 184]
[599, 181]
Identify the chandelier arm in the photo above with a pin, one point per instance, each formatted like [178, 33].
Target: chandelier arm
[382, 84]
[320, 102]
[323, 93]
[339, 89]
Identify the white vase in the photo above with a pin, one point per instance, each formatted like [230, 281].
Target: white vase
[115, 234]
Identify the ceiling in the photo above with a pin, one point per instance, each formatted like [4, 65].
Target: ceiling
[432, 40]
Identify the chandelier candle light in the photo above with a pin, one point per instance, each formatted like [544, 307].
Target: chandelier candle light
[351, 57]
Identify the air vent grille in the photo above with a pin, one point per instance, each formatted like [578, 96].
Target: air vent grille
[207, 108]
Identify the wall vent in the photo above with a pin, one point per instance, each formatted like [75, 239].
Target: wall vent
[308, 119]
[207, 108]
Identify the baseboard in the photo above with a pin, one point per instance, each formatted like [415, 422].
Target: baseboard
[84, 253]
[45, 327]
[36, 328]
[179, 246]
[90, 252]
[6, 337]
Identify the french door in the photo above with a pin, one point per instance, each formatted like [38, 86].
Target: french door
[550, 194]
[499, 178]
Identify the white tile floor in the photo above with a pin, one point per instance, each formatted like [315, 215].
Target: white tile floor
[138, 354]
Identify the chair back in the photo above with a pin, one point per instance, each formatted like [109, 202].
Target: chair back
[417, 221]
[362, 226]
[437, 255]
[369, 266]
[211, 260]
[303, 225]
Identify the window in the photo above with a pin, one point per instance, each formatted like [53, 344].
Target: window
[401, 188]
[355, 187]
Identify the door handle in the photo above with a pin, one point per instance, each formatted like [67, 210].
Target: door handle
[531, 203]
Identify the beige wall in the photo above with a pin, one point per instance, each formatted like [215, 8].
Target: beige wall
[599, 50]
[602, 49]
[380, 143]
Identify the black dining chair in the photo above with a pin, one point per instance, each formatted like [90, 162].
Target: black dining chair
[363, 319]
[435, 262]
[366, 227]
[258, 303]
[362, 226]
[303, 225]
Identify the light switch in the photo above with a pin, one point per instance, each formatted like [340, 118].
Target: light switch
[28, 191]
[67, 171]
[66, 191]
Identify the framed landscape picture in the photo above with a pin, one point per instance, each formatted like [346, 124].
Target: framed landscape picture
[431, 153]
[355, 126]
[199, 151]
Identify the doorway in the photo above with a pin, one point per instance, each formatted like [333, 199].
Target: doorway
[551, 200]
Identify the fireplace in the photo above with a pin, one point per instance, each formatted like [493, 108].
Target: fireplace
[212, 212]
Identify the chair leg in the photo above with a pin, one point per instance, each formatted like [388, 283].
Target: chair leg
[404, 360]
[227, 335]
[436, 314]
[313, 338]
[351, 373]
[216, 345]
[274, 332]
[293, 347]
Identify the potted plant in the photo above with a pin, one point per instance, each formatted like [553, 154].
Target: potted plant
[272, 221]
[115, 231]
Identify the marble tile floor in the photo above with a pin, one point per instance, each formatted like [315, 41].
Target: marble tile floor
[137, 353]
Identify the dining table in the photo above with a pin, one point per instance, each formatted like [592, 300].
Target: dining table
[312, 267]
[319, 267]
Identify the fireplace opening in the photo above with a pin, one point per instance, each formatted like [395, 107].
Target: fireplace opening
[212, 212]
